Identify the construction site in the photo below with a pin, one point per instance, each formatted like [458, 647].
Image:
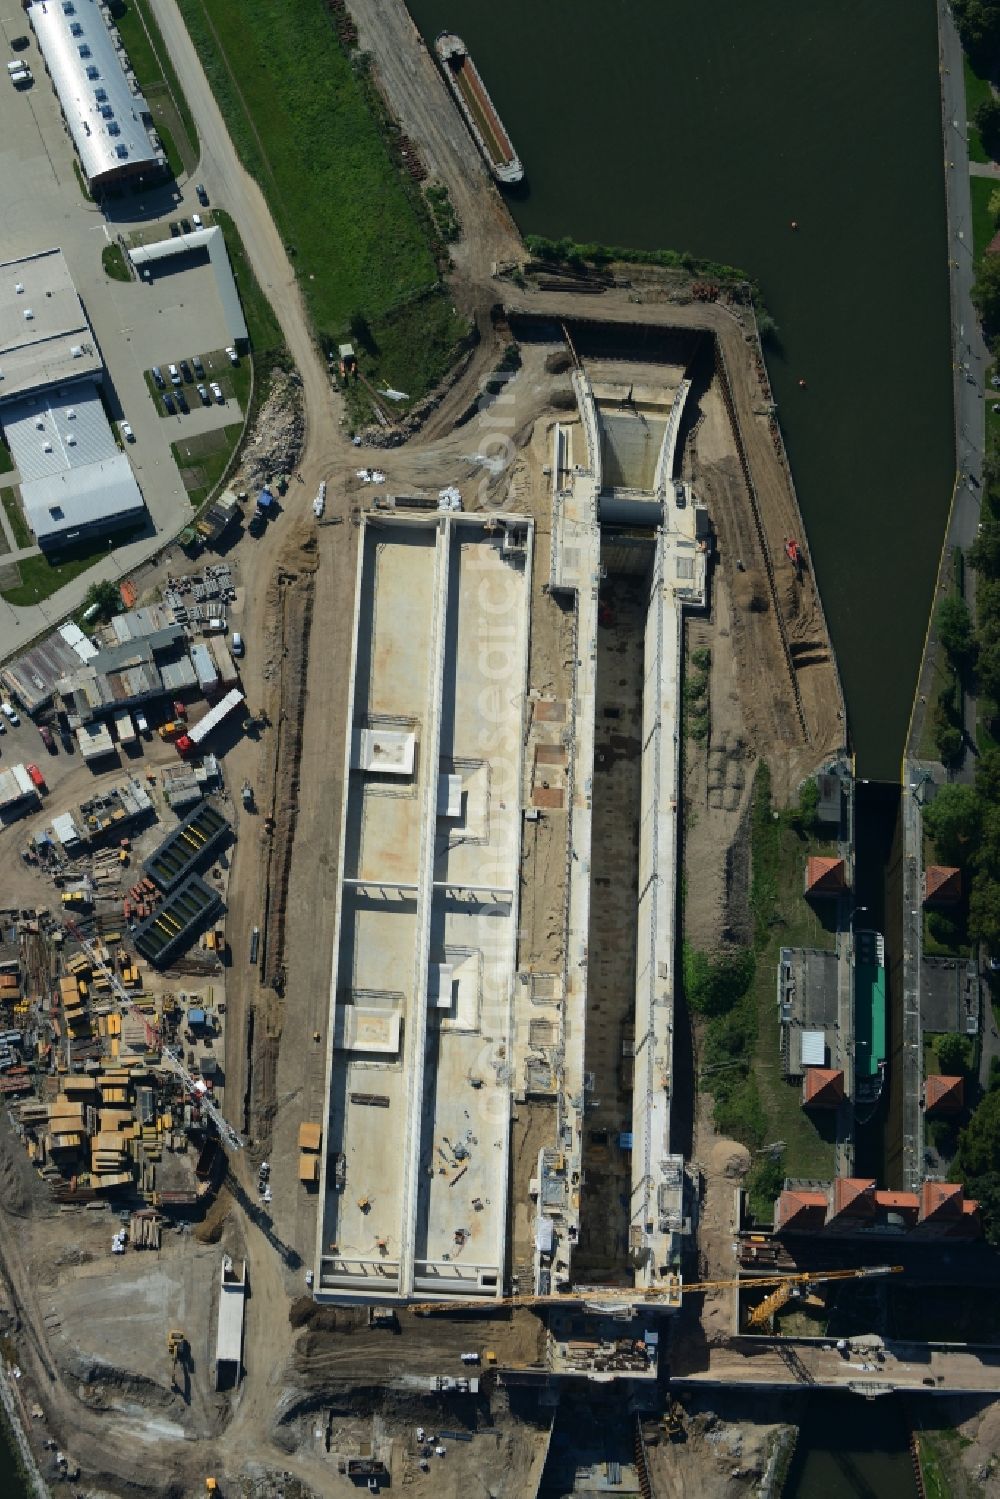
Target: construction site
[352, 1134]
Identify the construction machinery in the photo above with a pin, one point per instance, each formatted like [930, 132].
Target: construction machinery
[194, 1086]
[177, 1345]
[603, 1297]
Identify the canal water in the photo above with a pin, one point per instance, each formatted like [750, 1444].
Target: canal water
[12, 1485]
[709, 128]
[850, 1448]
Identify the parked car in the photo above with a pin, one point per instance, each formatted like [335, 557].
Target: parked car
[36, 776]
[199, 368]
[216, 390]
[237, 643]
[10, 713]
[181, 399]
[126, 431]
[202, 194]
[234, 358]
[158, 379]
[206, 399]
[185, 226]
[48, 738]
[186, 372]
[141, 724]
[168, 402]
[196, 220]
[175, 374]
[19, 43]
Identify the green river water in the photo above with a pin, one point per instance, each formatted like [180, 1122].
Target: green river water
[709, 128]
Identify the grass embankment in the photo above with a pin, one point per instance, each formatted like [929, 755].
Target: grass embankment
[15, 515]
[977, 91]
[740, 1062]
[939, 1453]
[983, 224]
[152, 66]
[305, 123]
[6, 461]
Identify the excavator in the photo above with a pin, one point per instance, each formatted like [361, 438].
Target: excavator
[605, 1298]
[177, 1348]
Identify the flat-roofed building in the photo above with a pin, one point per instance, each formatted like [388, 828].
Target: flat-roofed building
[76, 484]
[107, 116]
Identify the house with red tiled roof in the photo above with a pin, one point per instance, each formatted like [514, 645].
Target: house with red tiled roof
[825, 877]
[944, 1095]
[799, 1212]
[945, 1213]
[822, 1088]
[853, 1204]
[942, 885]
[853, 1207]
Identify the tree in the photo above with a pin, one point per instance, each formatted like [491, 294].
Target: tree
[984, 909]
[988, 123]
[952, 821]
[953, 1054]
[986, 291]
[106, 596]
[954, 626]
[978, 24]
[984, 553]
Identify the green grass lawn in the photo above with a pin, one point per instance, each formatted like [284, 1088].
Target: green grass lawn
[40, 577]
[15, 515]
[152, 66]
[6, 461]
[202, 460]
[977, 90]
[356, 229]
[983, 224]
[779, 855]
[113, 262]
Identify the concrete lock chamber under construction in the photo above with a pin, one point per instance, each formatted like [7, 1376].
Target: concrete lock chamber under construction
[437, 1036]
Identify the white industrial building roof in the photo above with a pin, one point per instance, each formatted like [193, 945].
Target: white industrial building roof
[213, 241]
[78, 499]
[57, 429]
[104, 110]
[389, 751]
[813, 1048]
[66, 829]
[73, 474]
[78, 641]
[45, 337]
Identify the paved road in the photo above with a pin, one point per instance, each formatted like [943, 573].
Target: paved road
[971, 354]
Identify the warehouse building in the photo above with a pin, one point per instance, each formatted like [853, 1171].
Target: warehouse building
[76, 484]
[165, 255]
[106, 115]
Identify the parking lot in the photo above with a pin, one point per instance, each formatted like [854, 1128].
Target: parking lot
[137, 323]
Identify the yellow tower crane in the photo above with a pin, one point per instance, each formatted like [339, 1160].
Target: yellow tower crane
[673, 1289]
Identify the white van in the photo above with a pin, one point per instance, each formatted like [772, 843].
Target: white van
[237, 643]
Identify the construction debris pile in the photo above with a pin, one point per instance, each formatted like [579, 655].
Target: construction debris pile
[99, 1115]
[278, 434]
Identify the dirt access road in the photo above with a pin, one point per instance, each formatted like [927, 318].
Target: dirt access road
[418, 96]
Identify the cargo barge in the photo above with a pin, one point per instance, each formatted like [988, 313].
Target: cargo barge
[478, 108]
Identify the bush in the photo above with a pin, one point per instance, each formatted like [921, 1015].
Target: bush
[804, 816]
[987, 118]
[764, 1183]
[954, 625]
[954, 1054]
[952, 821]
[714, 985]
